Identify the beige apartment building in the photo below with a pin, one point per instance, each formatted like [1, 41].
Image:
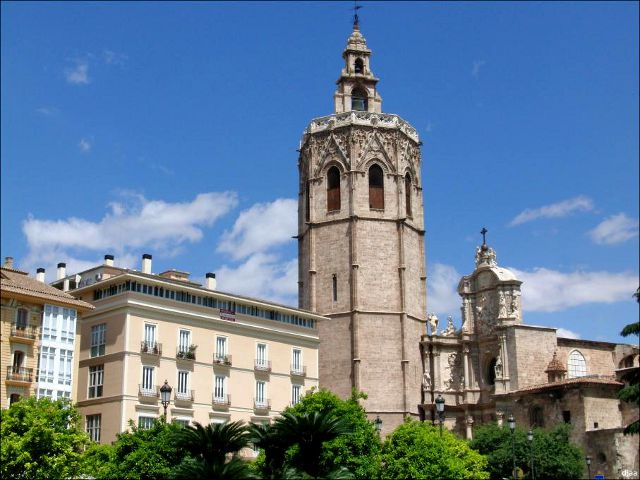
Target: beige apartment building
[226, 357]
[38, 337]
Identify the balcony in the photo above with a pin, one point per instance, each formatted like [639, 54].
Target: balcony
[222, 359]
[23, 333]
[220, 402]
[298, 370]
[151, 348]
[262, 366]
[19, 376]
[261, 404]
[148, 394]
[184, 353]
[184, 397]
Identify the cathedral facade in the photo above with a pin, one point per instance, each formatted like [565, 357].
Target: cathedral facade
[361, 265]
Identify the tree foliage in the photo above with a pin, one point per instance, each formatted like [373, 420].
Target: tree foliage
[137, 454]
[41, 439]
[553, 453]
[416, 450]
[359, 450]
[631, 392]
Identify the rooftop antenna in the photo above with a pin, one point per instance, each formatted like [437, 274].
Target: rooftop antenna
[356, 21]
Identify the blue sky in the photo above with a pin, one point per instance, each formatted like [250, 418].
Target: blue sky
[172, 129]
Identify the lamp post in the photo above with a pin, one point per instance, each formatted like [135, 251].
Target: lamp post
[165, 397]
[588, 460]
[530, 438]
[512, 426]
[440, 410]
[377, 423]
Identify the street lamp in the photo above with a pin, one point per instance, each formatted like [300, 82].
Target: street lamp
[530, 438]
[440, 410]
[165, 397]
[512, 426]
[588, 460]
[377, 423]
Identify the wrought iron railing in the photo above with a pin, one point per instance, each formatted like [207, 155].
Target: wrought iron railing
[18, 374]
[151, 348]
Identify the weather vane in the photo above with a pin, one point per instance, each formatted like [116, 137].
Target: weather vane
[484, 235]
[356, 7]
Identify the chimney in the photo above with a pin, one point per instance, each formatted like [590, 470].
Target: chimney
[146, 263]
[40, 275]
[8, 262]
[108, 260]
[62, 271]
[210, 283]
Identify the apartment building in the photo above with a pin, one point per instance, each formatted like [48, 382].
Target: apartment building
[38, 336]
[225, 357]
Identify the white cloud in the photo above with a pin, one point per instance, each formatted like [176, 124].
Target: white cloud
[565, 333]
[114, 58]
[84, 145]
[260, 228]
[264, 276]
[442, 284]
[555, 210]
[132, 223]
[615, 229]
[78, 75]
[47, 111]
[545, 290]
[477, 65]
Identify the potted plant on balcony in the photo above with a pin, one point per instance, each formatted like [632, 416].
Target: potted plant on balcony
[191, 353]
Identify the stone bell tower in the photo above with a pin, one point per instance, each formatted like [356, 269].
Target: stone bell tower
[361, 243]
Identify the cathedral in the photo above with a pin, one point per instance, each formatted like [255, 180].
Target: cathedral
[361, 249]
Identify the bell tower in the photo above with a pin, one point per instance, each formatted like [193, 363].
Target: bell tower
[361, 243]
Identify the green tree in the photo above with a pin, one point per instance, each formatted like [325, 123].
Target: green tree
[41, 439]
[208, 448]
[554, 455]
[137, 454]
[631, 392]
[416, 450]
[359, 450]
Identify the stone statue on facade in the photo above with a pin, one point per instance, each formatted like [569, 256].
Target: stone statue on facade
[451, 329]
[502, 306]
[514, 306]
[426, 381]
[432, 318]
[498, 367]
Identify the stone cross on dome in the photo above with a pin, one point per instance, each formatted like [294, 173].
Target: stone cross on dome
[484, 233]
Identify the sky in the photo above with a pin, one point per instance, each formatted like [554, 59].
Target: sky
[172, 129]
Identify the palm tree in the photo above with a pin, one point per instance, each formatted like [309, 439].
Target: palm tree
[266, 437]
[208, 448]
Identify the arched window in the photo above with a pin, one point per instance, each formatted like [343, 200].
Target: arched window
[407, 194]
[626, 362]
[333, 189]
[376, 187]
[359, 99]
[536, 417]
[15, 397]
[491, 372]
[577, 365]
[358, 66]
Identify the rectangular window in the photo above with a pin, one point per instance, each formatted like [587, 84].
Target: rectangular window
[150, 334]
[261, 388]
[93, 427]
[49, 322]
[145, 423]
[184, 341]
[47, 358]
[67, 326]
[334, 283]
[96, 380]
[296, 360]
[147, 380]
[66, 365]
[219, 388]
[45, 393]
[566, 416]
[181, 421]
[98, 334]
[21, 318]
[261, 355]
[221, 347]
[183, 383]
[295, 394]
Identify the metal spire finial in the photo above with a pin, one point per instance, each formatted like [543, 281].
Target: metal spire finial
[356, 20]
[484, 235]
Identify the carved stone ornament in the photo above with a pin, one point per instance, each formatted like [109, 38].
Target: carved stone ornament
[502, 306]
[432, 318]
[451, 329]
[426, 381]
[454, 374]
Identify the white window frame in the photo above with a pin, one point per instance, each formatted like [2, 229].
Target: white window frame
[96, 381]
[576, 369]
[65, 369]
[299, 367]
[220, 396]
[225, 350]
[264, 361]
[46, 372]
[182, 347]
[98, 339]
[296, 393]
[143, 383]
[261, 400]
[150, 340]
[182, 386]
[148, 422]
[93, 426]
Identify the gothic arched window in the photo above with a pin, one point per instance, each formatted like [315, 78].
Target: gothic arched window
[358, 66]
[359, 99]
[491, 372]
[577, 365]
[333, 189]
[376, 187]
[407, 194]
